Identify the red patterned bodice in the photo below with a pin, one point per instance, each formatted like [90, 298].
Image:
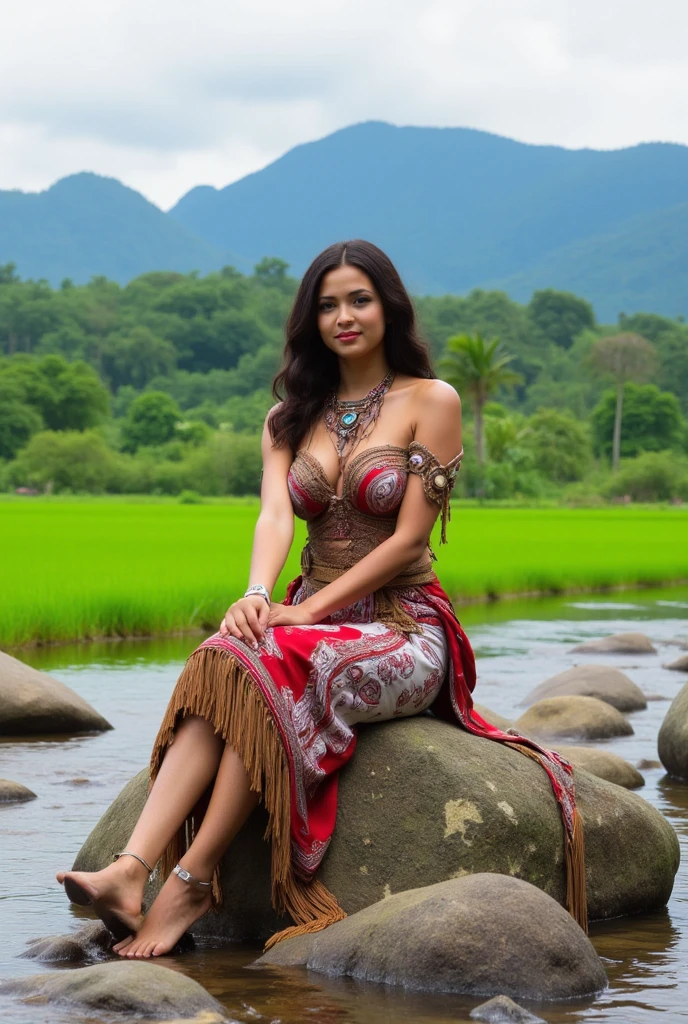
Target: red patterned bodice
[373, 482]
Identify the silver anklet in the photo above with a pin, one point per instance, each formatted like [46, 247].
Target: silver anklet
[128, 853]
[190, 879]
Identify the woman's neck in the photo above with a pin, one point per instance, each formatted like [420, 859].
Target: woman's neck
[357, 379]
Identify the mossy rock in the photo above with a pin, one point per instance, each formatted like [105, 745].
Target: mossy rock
[423, 801]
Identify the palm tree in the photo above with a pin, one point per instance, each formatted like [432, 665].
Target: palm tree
[478, 368]
[626, 357]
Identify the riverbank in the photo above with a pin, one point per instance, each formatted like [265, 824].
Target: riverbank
[81, 569]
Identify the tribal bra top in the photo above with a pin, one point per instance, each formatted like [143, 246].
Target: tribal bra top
[342, 529]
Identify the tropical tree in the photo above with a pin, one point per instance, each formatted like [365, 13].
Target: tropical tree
[478, 368]
[626, 357]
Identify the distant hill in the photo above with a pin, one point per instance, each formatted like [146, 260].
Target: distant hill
[454, 207]
[458, 208]
[86, 225]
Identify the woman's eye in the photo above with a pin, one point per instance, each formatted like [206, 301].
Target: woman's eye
[324, 306]
[363, 299]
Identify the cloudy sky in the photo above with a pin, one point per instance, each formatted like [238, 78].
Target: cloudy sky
[168, 94]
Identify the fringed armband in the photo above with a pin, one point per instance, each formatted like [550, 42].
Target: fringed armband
[438, 480]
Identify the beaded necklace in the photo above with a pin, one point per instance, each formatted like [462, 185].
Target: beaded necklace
[349, 423]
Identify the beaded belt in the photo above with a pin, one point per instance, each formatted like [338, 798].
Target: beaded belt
[318, 572]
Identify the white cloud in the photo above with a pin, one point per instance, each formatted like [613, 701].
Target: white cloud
[165, 95]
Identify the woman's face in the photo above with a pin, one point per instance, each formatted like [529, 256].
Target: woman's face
[351, 319]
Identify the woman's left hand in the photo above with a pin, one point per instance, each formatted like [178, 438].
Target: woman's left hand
[289, 615]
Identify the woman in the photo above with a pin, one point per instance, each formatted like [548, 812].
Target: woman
[365, 447]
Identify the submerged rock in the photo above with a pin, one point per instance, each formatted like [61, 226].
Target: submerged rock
[423, 801]
[91, 942]
[680, 665]
[14, 792]
[128, 987]
[604, 765]
[34, 704]
[502, 1010]
[607, 684]
[672, 742]
[618, 643]
[477, 935]
[584, 718]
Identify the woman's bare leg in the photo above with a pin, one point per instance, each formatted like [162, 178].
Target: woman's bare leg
[189, 766]
[179, 904]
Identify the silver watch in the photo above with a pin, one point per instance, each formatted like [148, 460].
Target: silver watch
[258, 588]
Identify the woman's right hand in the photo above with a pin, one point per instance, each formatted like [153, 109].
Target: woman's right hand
[246, 619]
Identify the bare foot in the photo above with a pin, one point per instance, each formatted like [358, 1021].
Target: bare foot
[115, 893]
[177, 906]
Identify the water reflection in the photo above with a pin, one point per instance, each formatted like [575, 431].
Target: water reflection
[519, 645]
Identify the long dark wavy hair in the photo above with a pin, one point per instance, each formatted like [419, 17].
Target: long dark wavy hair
[310, 370]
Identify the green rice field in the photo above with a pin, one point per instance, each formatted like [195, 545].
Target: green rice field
[81, 568]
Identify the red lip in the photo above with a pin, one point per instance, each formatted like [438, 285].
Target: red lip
[348, 335]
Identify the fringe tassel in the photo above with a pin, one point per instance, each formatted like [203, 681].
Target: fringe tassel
[574, 854]
[215, 686]
[576, 891]
[446, 516]
[389, 610]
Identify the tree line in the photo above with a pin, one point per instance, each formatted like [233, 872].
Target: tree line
[162, 386]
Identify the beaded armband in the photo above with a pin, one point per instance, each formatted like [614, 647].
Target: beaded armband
[438, 480]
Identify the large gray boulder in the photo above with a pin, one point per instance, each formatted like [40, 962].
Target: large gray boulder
[14, 792]
[582, 718]
[423, 801]
[479, 935]
[604, 765]
[672, 741]
[602, 681]
[127, 987]
[618, 643]
[34, 704]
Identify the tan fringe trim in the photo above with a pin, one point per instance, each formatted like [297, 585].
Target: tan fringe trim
[215, 686]
[389, 610]
[574, 855]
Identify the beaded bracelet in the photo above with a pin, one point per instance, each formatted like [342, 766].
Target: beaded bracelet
[258, 588]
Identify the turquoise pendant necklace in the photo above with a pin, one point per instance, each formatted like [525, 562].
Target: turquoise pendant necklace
[348, 423]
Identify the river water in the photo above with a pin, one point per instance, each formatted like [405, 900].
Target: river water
[518, 646]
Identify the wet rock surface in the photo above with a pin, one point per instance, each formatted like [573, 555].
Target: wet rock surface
[463, 805]
[144, 990]
[601, 681]
[618, 643]
[34, 704]
[585, 718]
[604, 765]
[91, 942]
[478, 935]
[14, 792]
[672, 742]
[502, 1010]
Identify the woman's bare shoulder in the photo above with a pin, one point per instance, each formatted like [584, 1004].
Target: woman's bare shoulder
[437, 395]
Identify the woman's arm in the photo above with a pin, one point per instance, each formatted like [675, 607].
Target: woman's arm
[437, 425]
[248, 616]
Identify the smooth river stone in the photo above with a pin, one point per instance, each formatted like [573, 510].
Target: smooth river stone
[14, 792]
[618, 643]
[583, 718]
[34, 704]
[601, 681]
[604, 765]
[680, 665]
[672, 741]
[483, 934]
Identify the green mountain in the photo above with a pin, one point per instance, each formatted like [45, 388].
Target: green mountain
[458, 208]
[86, 225]
[454, 207]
